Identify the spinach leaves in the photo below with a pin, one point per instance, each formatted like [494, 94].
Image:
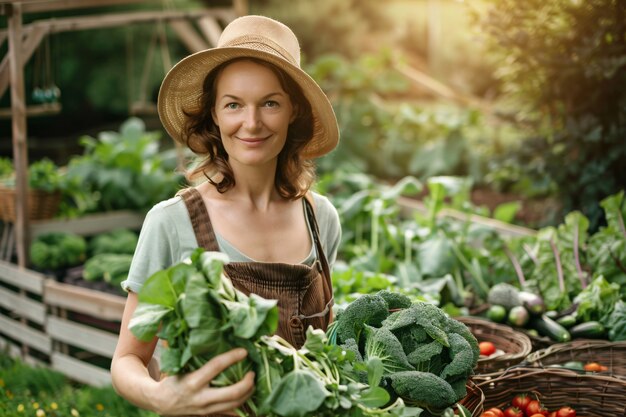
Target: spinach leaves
[196, 309]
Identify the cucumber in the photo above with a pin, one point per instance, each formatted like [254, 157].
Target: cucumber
[545, 326]
[567, 320]
[552, 314]
[588, 330]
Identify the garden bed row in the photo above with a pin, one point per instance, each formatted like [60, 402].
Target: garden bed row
[67, 327]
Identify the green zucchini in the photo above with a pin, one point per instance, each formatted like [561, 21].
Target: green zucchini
[588, 330]
[545, 326]
[552, 314]
[567, 320]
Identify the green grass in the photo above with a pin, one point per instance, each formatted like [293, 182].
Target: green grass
[40, 392]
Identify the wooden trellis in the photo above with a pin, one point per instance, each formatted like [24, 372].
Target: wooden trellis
[23, 40]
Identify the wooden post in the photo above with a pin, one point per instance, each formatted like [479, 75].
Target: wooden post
[434, 36]
[20, 149]
[241, 7]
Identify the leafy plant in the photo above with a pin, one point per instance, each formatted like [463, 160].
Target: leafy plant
[125, 170]
[43, 175]
[57, 250]
[196, 309]
[414, 350]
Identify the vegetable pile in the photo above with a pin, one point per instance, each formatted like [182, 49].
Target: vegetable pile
[419, 353]
[196, 309]
[523, 405]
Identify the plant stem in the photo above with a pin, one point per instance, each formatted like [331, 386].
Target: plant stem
[559, 268]
[470, 268]
[516, 265]
[375, 216]
[579, 270]
[531, 255]
[408, 239]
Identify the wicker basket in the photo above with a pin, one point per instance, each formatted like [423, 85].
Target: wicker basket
[589, 395]
[610, 354]
[474, 399]
[539, 342]
[41, 204]
[515, 345]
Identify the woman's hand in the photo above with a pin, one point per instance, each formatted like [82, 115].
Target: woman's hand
[191, 394]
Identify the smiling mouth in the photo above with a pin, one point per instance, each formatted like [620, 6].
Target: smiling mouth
[252, 140]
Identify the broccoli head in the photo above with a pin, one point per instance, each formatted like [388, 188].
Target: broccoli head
[428, 316]
[351, 346]
[426, 356]
[455, 326]
[423, 389]
[395, 300]
[462, 363]
[382, 344]
[369, 309]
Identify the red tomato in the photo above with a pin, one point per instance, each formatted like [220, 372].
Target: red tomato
[513, 412]
[566, 412]
[535, 407]
[486, 348]
[488, 414]
[538, 415]
[552, 414]
[496, 411]
[521, 401]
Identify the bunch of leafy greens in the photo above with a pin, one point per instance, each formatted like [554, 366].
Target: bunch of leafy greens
[412, 349]
[196, 309]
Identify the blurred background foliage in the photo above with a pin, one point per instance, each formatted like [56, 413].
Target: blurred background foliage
[548, 78]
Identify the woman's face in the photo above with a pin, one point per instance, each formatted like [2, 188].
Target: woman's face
[253, 113]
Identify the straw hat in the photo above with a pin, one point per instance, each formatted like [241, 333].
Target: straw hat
[247, 37]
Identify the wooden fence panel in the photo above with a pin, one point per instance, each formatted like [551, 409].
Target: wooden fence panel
[25, 334]
[79, 370]
[20, 305]
[82, 336]
[95, 303]
[23, 278]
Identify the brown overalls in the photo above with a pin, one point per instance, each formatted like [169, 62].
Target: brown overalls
[304, 293]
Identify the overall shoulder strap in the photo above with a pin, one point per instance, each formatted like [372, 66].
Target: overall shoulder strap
[323, 262]
[200, 219]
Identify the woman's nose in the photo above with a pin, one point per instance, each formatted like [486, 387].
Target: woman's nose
[252, 118]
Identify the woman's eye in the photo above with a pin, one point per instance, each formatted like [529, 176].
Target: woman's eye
[271, 103]
[232, 106]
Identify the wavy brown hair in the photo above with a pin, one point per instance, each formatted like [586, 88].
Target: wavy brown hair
[294, 174]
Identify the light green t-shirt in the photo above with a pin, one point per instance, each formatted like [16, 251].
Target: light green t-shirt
[167, 238]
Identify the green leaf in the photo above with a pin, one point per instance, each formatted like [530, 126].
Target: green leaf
[195, 303]
[211, 264]
[375, 370]
[316, 340]
[158, 289]
[207, 338]
[170, 360]
[506, 212]
[299, 393]
[146, 320]
[248, 318]
[374, 397]
[408, 185]
[435, 257]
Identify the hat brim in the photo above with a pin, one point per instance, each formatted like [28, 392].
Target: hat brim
[182, 88]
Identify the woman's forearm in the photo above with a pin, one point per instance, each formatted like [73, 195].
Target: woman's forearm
[132, 380]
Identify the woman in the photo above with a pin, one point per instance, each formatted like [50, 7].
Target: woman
[257, 120]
